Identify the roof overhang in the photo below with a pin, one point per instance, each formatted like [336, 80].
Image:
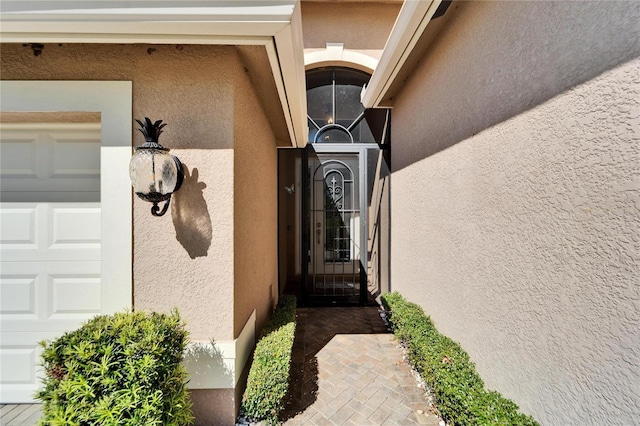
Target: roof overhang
[276, 25]
[413, 32]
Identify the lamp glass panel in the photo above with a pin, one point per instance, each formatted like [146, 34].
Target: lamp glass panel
[153, 172]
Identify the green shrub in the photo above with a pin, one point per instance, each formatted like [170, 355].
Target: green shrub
[445, 367]
[123, 369]
[268, 380]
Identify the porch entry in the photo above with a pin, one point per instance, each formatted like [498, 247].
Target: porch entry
[336, 265]
[331, 196]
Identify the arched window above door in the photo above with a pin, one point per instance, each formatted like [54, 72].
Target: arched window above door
[335, 114]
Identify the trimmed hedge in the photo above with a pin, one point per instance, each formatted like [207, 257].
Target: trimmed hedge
[445, 367]
[268, 380]
[123, 369]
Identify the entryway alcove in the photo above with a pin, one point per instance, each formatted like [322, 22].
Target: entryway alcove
[333, 198]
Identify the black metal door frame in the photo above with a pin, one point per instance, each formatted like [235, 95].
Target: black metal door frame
[308, 298]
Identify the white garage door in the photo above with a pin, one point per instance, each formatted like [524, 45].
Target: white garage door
[50, 242]
[65, 218]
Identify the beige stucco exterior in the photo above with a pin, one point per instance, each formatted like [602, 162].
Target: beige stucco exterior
[204, 95]
[213, 256]
[514, 189]
[516, 201]
[167, 84]
[361, 28]
[255, 209]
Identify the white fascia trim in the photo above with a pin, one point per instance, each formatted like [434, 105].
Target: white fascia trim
[412, 20]
[290, 54]
[150, 17]
[277, 27]
[37, 31]
[219, 365]
[146, 11]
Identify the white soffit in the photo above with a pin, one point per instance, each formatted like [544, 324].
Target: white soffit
[276, 25]
[412, 20]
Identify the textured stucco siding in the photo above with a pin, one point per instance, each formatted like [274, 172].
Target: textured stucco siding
[255, 208]
[362, 27]
[184, 259]
[516, 201]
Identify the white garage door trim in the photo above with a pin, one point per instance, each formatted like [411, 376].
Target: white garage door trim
[113, 100]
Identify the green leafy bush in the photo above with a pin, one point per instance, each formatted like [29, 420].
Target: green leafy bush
[123, 369]
[445, 367]
[268, 380]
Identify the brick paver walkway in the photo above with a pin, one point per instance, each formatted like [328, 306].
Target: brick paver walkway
[348, 369]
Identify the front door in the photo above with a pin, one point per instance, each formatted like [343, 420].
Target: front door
[328, 191]
[336, 263]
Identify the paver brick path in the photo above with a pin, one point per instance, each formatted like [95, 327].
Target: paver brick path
[347, 369]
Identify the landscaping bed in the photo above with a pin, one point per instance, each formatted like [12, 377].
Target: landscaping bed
[458, 390]
[268, 380]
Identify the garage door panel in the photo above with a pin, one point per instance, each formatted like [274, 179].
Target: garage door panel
[16, 364]
[55, 158]
[18, 156]
[20, 371]
[18, 295]
[75, 226]
[50, 231]
[18, 226]
[67, 149]
[35, 293]
[74, 296]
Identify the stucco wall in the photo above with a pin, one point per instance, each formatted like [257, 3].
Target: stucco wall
[516, 201]
[255, 208]
[185, 258]
[362, 27]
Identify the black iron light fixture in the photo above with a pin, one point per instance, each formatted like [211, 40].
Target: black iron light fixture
[155, 174]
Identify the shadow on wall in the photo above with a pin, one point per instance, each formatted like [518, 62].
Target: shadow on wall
[190, 215]
[496, 60]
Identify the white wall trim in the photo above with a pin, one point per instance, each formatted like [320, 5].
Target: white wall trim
[335, 55]
[276, 26]
[219, 365]
[113, 100]
[412, 20]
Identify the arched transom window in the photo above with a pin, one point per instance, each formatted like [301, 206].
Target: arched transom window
[335, 114]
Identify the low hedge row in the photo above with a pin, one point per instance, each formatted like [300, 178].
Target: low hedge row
[123, 369]
[445, 367]
[268, 380]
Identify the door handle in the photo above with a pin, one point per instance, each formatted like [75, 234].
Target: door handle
[318, 233]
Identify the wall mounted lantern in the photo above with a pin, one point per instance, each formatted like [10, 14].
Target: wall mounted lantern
[155, 174]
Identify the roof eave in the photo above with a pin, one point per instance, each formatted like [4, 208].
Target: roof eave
[277, 27]
[412, 21]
